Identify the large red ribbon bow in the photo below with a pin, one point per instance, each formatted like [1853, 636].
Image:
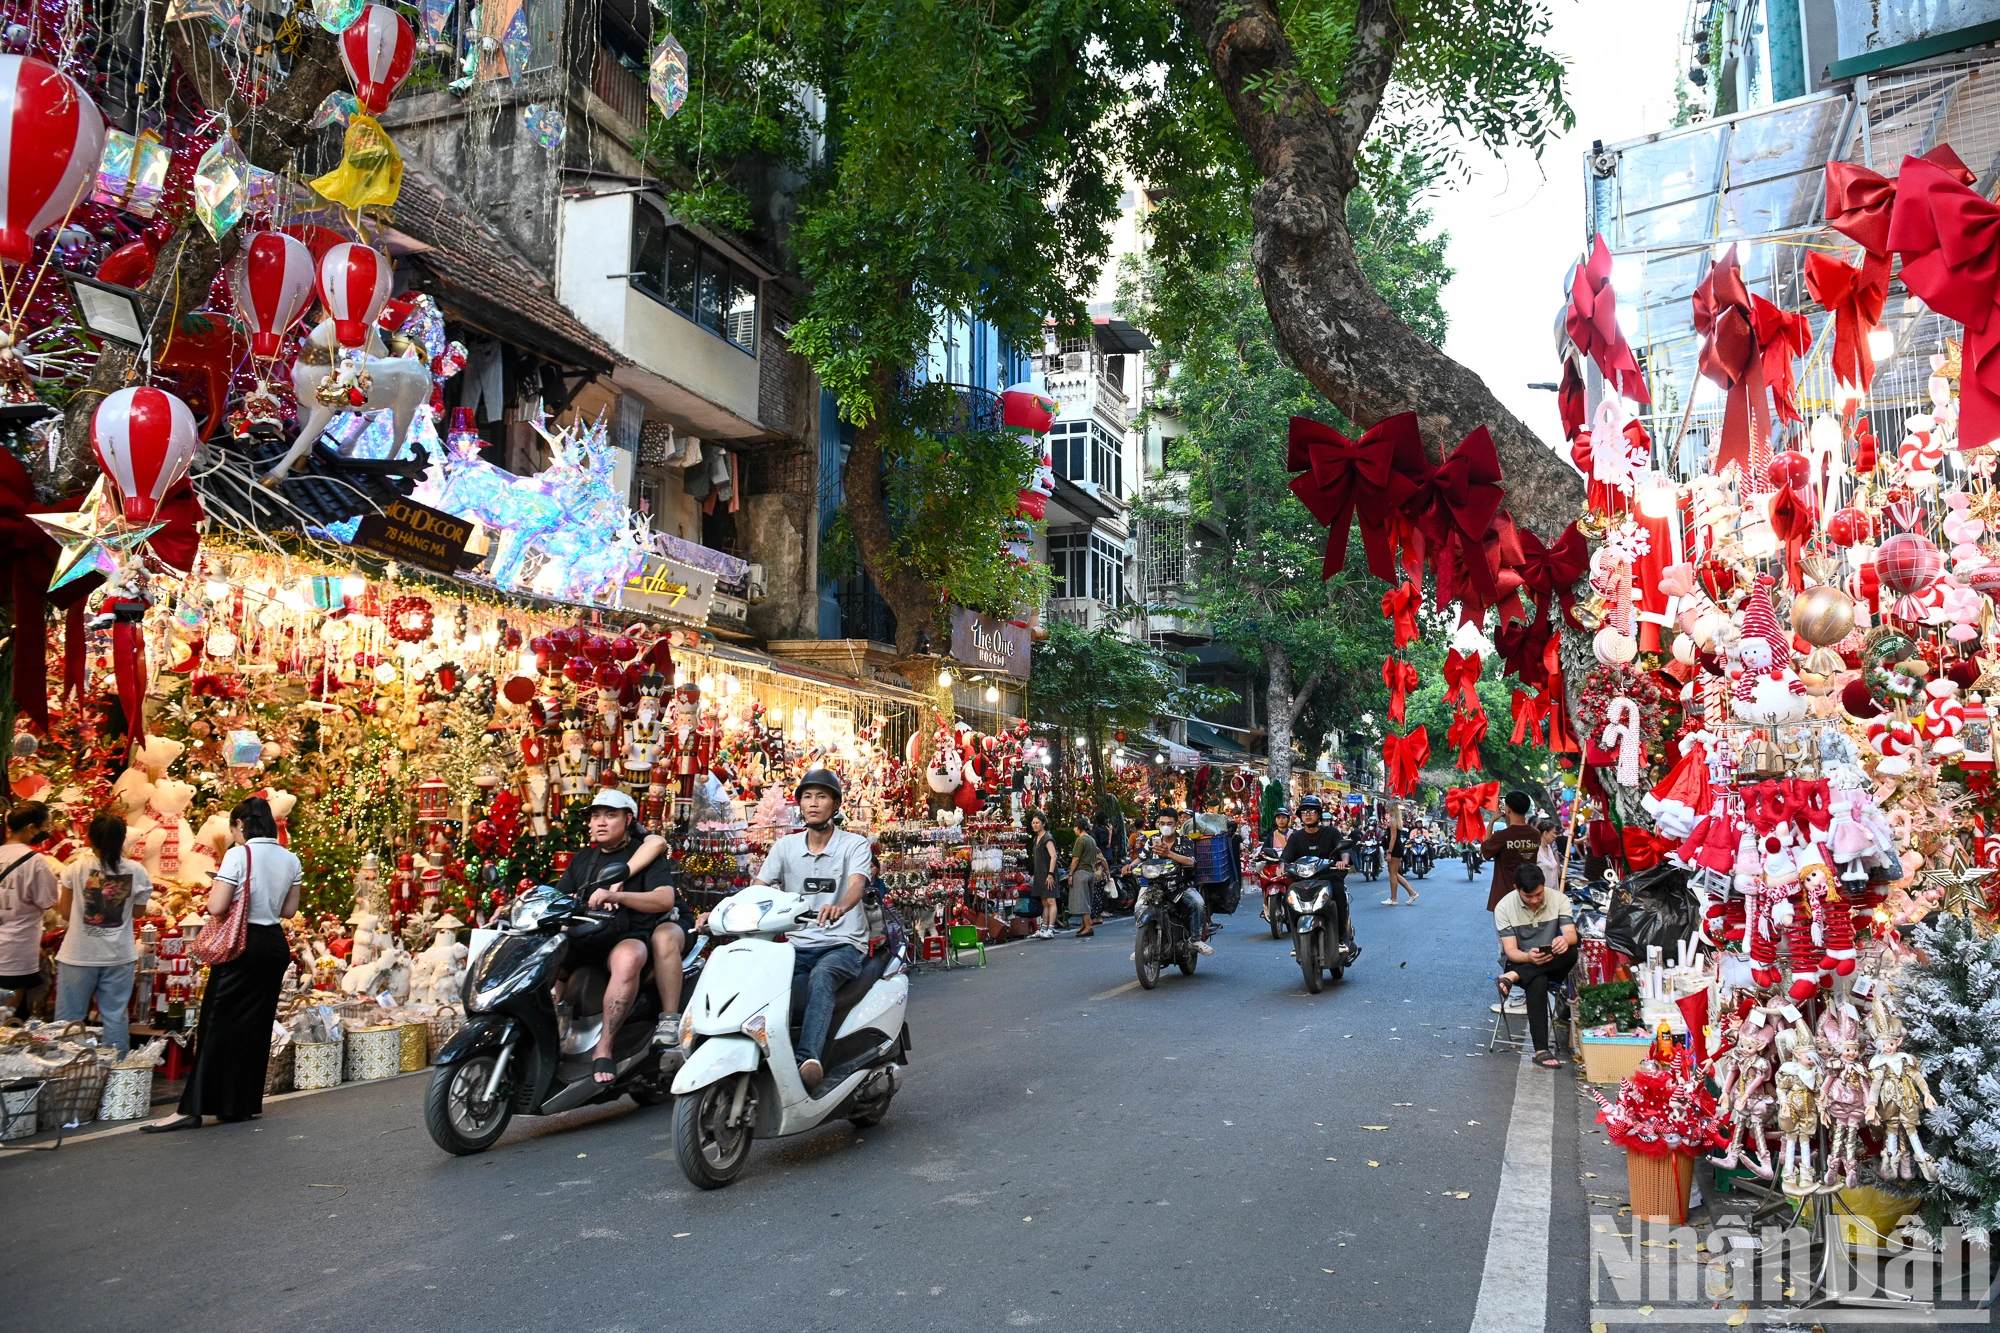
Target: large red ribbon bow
[1524, 649]
[1731, 358]
[1592, 324]
[1794, 515]
[1467, 730]
[1461, 677]
[1472, 541]
[1531, 715]
[1464, 804]
[1403, 760]
[1552, 572]
[1400, 604]
[1340, 480]
[1644, 848]
[27, 562]
[1949, 238]
[1782, 337]
[1401, 678]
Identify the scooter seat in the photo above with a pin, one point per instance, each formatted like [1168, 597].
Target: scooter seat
[846, 997]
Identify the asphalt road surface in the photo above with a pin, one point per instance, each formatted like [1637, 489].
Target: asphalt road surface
[1068, 1152]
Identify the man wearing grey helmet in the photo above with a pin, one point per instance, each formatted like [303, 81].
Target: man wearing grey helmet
[830, 867]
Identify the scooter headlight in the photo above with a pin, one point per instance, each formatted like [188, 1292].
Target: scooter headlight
[740, 916]
[529, 908]
[1318, 901]
[687, 1030]
[754, 1028]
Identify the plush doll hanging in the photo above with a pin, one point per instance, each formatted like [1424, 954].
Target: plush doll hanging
[1767, 689]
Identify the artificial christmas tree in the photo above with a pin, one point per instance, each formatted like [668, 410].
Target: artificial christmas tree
[1950, 1002]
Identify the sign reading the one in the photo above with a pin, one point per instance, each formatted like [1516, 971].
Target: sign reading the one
[418, 534]
[989, 644]
[671, 587]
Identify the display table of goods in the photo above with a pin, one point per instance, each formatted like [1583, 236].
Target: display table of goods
[58, 1076]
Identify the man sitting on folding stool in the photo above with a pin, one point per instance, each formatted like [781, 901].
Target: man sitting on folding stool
[1538, 941]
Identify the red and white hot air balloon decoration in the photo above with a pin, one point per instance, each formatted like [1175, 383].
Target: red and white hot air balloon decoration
[377, 49]
[53, 143]
[145, 439]
[354, 285]
[272, 282]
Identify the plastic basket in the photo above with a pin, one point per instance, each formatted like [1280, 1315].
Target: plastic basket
[128, 1094]
[316, 1064]
[19, 1119]
[372, 1053]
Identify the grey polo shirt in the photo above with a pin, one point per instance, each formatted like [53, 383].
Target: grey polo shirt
[822, 878]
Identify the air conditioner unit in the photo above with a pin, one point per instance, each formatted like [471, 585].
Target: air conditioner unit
[755, 588]
[1076, 361]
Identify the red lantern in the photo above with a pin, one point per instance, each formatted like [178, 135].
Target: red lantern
[272, 281]
[1845, 527]
[518, 689]
[1790, 468]
[354, 284]
[377, 49]
[54, 141]
[145, 439]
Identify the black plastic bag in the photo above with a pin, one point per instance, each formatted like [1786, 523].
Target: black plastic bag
[1654, 907]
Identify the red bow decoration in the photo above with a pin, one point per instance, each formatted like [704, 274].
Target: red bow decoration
[1731, 358]
[1854, 297]
[1340, 480]
[1531, 715]
[1464, 805]
[1552, 572]
[1401, 678]
[1524, 649]
[1949, 238]
[1472, 541]
[1592, 324]
[1782, 336]
[1644, 848]
[1461, 677]
[1403, 760]
[1794, 516]
[28, 556]
[1400, 604]
[128, 663]
[1552, 701]
[1467, 730]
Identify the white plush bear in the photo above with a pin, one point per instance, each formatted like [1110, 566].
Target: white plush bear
[133, 789]
[157, 755]
[161, 838]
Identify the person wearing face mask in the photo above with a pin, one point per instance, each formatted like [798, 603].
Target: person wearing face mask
[829, 867]
[28, 888]
[1170, 842]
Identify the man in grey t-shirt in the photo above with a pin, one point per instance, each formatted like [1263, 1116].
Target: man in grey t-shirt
[830, 867]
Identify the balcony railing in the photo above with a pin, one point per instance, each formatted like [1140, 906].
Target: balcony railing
[621, 90]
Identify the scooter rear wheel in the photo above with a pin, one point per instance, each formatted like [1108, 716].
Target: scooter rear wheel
[458, 1122]
[710, 1153]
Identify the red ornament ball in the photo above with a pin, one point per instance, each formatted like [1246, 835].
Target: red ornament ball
[1858, 702]
[518, 689]
[624, 649]
[576, 671]
[1845, 527]
[1790, 468]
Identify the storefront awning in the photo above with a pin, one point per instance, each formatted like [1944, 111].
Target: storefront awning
[1221, 748]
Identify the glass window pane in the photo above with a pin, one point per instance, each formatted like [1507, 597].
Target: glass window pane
[711, 292]
[1673, 225]
[649, 250]
[680, 272]
[1667, 169]
[740, 320]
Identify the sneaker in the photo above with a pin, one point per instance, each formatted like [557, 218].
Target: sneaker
[811, 1073]
[667, 1032]
[1517, 1001]
[1203, 947]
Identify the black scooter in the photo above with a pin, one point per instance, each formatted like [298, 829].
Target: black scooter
[1316, 904]
[518, 1054]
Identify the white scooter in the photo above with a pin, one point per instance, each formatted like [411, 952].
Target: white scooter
[741, 1079]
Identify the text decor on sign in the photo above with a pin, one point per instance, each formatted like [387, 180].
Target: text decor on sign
[669, 586]
[417, 533]
[989, 644]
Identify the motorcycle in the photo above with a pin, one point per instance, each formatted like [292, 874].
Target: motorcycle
[1469, 854]
[519, 1052]
[1418, 861]
[741, 1079]
[1317, 903]
[1271, 879]
[1368, 859]
[1164, 933]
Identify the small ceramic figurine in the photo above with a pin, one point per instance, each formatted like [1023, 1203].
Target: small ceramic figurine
[1898, 1096]
[1745, 1096]
[1843, 1098]
[1798, 1108]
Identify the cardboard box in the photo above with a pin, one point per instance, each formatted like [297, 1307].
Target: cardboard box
[1608, 1059]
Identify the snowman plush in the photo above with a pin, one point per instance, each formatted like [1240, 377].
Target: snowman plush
[1767, 689]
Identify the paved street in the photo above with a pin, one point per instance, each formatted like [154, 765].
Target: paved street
[1069, 1152]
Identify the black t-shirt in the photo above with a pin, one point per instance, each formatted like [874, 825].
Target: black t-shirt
[1324, 841]
[585, 865]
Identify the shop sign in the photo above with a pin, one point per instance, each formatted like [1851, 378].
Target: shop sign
[672, 588]
[418, 534]
[989, 644]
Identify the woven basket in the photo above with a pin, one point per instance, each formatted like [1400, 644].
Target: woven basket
[72, 1094]
[316, 1064]
[278, 1070]
[1660, 1185]
[415, 1038]
[128, 1094]
[444, 1025]
[372, 1053]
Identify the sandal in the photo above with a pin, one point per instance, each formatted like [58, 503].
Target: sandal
[1506, 986]
[1547, 1060]
[604, 1070]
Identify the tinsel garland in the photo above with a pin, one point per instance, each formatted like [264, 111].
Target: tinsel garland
[1601, 685]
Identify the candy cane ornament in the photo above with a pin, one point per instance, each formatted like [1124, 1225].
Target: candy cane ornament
[1944, 718]
[1892, 740]
[1622, 729]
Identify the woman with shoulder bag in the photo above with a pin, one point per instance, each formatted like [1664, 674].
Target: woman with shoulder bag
[28, 888]
[232, 1048]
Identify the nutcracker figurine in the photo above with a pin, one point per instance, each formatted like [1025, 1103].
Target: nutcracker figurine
[535, 782]
[645, 741]
[686, 741]
[575, 770]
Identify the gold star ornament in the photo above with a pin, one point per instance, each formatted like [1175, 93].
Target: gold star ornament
[95, 539]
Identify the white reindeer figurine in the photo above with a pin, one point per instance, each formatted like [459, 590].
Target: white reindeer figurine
[398, 384]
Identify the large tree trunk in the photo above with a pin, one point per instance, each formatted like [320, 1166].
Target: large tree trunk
[1280, 708]
[916, 604]
[1329, 321]
[190, 260]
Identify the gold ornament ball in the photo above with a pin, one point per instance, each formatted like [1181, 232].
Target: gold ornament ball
[1822, 615]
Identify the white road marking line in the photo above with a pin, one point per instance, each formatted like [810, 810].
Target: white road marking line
[1514, 1288]
[1117, 990]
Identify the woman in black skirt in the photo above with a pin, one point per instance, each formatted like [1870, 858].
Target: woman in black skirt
[233, 1042]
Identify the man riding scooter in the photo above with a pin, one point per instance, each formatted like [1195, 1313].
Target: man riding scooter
[1315, 837]
[830, 867]
[1177, 847]
[642, 906]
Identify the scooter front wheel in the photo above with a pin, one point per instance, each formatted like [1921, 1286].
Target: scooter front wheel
[1276, 928]
[460, 1121]
[1308, 947]
[1146, 956]
[710, 1151]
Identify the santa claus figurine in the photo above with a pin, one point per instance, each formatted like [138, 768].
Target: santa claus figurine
[1767, 689]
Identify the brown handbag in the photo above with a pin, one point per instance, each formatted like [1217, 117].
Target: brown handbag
[222, 941]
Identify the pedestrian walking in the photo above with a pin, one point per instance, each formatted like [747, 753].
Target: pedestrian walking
[232, 1048]
[1394, 842]
[28, 888]
[1042, 872]
[1086, 863]
[98, 956]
